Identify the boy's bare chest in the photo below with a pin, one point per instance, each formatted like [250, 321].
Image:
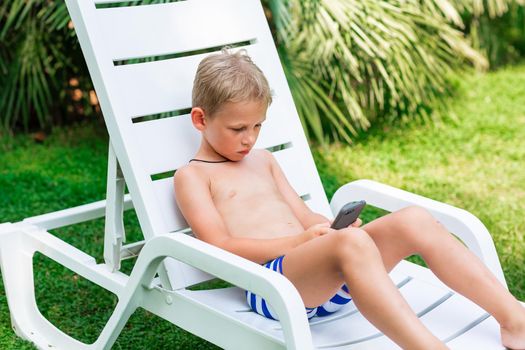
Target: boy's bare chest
[240, 185]
[248, 199]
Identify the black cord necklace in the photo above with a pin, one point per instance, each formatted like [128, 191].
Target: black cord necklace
[208, 161]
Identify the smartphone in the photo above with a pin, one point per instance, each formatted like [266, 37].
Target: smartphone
[348, 214]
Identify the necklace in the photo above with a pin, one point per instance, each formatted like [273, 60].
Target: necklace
[208, 161]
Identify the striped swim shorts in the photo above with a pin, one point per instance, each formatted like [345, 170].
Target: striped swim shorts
[260, 306]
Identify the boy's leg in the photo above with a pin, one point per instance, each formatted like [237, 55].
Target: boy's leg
[318, 267]
[414, 231]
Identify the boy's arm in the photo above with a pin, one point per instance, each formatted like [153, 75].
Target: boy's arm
[194, 199]
[305, 215]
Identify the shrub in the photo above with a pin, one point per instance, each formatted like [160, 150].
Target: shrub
[348, 62]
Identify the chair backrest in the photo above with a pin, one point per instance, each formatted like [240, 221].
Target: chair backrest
[142, 59]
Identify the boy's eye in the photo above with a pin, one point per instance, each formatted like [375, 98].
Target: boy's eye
[238, 129]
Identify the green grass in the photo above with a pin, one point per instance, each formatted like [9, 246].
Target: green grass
[474, 162]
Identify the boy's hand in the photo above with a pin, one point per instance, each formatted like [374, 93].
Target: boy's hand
[316, 230]
[356, 223]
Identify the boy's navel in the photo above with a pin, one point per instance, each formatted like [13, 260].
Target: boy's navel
[232, 194]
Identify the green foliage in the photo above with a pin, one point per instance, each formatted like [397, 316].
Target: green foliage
[348, 62]
[38, 55]
[351, 62]
[494, 27]
[44, 77]
[499, 33]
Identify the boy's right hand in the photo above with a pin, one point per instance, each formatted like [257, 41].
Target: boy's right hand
[316, 230]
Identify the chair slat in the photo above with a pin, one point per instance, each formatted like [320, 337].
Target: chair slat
[164, 86]
[451, 316]
[167, 144]
[344, 330]
[484, 336]
[337, 334]
[160, 29]
[174, 221]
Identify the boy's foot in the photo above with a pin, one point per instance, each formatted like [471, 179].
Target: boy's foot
[513, 336]
[512, 339]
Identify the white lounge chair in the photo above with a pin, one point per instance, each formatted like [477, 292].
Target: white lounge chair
[142, 60]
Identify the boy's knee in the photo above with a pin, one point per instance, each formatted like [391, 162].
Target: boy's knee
[352, 243]
[417, 227]
[417, 215]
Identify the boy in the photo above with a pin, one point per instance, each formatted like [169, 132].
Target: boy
[252, 211]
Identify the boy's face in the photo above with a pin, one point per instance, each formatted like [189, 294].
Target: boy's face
[233, 129]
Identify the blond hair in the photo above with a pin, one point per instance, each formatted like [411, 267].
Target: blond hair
[228, 77]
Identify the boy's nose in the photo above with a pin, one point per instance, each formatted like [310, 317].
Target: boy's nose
[248, 140]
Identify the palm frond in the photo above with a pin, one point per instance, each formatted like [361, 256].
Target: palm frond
[35, 60]
[494, 8]
[368, 59]
[348, 62]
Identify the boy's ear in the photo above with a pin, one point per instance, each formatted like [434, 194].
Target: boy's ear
[198, 118]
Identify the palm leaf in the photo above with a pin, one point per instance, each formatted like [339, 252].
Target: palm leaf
[369, 59]
[349, 62]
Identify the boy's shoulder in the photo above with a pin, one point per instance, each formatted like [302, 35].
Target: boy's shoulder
[263, 153]
[188, 171]
[263, 157]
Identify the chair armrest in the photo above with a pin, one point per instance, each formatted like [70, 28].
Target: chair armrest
[460, 222]
[75, 215]
[275, 288]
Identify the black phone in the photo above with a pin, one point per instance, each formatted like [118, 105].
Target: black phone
[348, 214]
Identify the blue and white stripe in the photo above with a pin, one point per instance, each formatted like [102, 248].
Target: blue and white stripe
[335, 303]
[257, 303]
[260, 305]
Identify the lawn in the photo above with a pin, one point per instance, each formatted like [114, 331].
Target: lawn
[473, 159]
[475, 162]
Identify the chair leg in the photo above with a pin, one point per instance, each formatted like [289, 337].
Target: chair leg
[16, 261]
[125, 308]
[17, 248]
[142, 275]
